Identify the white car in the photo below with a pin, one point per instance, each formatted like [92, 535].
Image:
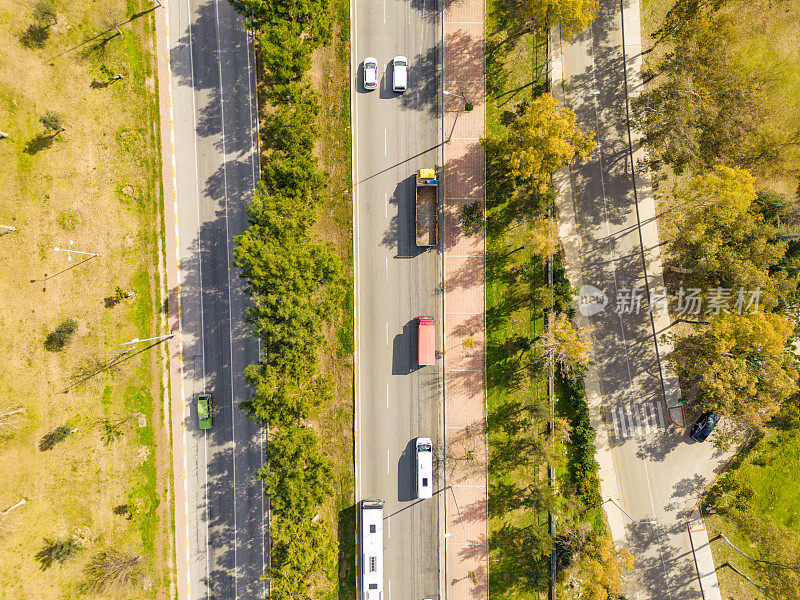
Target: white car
[370, 73]
[399, 73]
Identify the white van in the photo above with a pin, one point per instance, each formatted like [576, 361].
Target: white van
[424, 455]
[399, 73]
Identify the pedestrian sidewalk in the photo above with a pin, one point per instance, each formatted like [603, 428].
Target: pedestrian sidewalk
[703, 557]
[466, 458]
[175, 344]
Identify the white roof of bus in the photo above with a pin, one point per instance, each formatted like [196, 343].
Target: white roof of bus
[372, 546]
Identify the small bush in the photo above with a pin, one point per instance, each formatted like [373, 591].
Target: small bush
[61, 336]
[56, 551]
[52, 121]
[123, 510]
[44, 13]
[472, 218]
[35, 36]
[118, 296]
[59, 434]
[112, 569]
[68, 220]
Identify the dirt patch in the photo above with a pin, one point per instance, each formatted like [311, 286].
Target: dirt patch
[106, 487]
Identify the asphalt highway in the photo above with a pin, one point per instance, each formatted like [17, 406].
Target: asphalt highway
[213, 92]
[397, 401]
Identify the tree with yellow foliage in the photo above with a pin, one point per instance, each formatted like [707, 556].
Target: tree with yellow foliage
[602, 569]
[541, 141]
[524, 16]
[741, 364]
[570, 344]
[721, 238]
[539, 235]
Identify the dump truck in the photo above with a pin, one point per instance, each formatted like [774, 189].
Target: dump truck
[427, 193]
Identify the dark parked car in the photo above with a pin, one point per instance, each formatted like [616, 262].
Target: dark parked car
[704, 426]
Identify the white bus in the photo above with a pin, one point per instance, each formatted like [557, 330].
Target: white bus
[424, 455]
[371, 566]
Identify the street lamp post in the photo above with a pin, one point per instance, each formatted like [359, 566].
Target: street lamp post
[458, 112]
[158, 338]
[70, 251]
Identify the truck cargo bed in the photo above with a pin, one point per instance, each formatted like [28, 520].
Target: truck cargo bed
[426, 215]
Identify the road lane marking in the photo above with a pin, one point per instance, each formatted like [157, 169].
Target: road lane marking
[629, 419]
[384, 12]
[649, 489]
[230, 311]
[645, 419]
[615, 422]
[634, 426]
[356, 246]
[200, 276]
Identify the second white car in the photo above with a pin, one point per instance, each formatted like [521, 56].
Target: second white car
[399, 73]
[370, 73]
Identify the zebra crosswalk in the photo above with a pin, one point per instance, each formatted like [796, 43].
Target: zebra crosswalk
[638, 419]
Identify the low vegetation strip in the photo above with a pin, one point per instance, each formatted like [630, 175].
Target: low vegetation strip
[85, 499]
[298, 285]
[533, 437]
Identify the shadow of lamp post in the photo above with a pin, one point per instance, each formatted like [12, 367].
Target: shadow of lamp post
[458, 112]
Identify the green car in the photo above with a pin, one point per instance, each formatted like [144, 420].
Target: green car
[204, 410]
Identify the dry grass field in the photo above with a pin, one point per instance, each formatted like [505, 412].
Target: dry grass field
[95, 183]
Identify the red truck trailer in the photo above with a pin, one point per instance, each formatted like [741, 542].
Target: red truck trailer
[426, 341]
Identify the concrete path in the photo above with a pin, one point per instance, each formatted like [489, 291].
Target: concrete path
[703, 557]
[466, 548]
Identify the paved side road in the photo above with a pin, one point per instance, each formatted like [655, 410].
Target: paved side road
[207, 86]
[651, 472]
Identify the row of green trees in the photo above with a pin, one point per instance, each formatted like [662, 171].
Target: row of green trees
[728, 237]
[297, 288]
[527, 319]
[707, 119]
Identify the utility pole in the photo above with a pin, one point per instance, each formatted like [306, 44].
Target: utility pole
[150, 339]
[70, 251]
[552, 427]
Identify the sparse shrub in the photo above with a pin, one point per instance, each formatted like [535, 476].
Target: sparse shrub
[35, 36]
[112, 569]
[123, 510]
[59, 434]
[118, 296]
[52, 121]
[472, 218]
[61, 336]
[68, 220]
[44, 13]
[56, 551]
